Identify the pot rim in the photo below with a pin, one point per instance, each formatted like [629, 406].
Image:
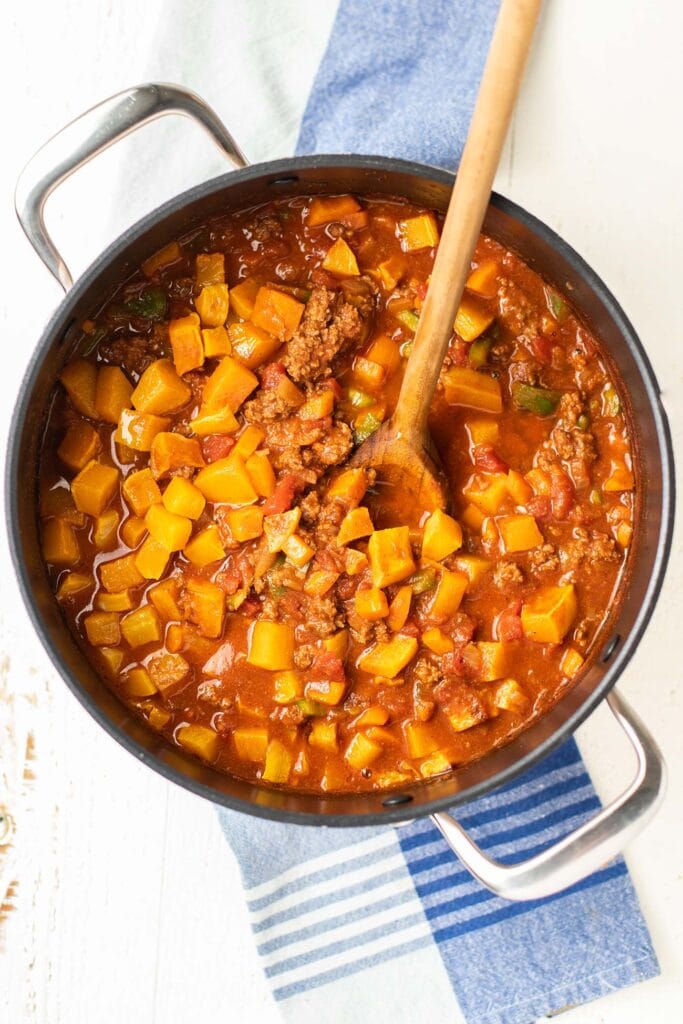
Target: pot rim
[393, 812]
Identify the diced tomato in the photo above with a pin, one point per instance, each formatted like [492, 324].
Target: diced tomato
[464, 661]
[561, 493]
[283, 496]
[229, 581]
[462, 628]
[539, 507]
[459, 352]
[327, 665]
[508, 625]
[542, 348]
[486, 459]
[421, 290]
[271, 375]
[217, 446]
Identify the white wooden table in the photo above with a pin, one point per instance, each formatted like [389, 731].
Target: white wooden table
[127, 904]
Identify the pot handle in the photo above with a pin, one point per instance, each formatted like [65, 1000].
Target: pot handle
[587, 849]
[90, 134]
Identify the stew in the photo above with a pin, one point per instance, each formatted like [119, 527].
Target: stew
[284, 617]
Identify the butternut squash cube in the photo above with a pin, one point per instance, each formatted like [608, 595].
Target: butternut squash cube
[473, 389]
[318, 406]
[141, 490]
[442, 536]
[186, 342]
[509, 696]
[493, 660]
[243, 296]
[325, 691]
[199, 740]
[361, 752]
[371, 604]
[449, 592]
[138, 683]
[94, 487]
[212, 304]
[173, 451]
[132, 531]
[120, 574]
[519, 532]
[472, 319]
[271, 645]
[368, 374]
[389, 658]
[421, 232]
[288, 687]
[277, 312]
[121, 602]
[216, 342]
[79, 379]
[355, 562]
[385, 352]
[151, 559]
[213, 421]
[483, 431]
[488, 493]
[437, 641]
[170, 253]
[251, 742]
[278, 763]
[141, 627]
[168, 670]
[261, 474]
[341, 260]
[102, 629]
[473, 518]
[229, 384]
[280, 526]
[164, 597]
[248, 441]
[390, 554]
[391, 271]
[355, 524]
[519, 489]
[137, 430]
[60, 544]
[319, 581]
[158, 718]
[182, 498]
[473, 566]
[111, 659]
[483, 279]
[209, 268]
[323, 735]
[547, 616]
[399, 609]
[298, 552]
[226, 480]
[113, 393]
[171, 531]
[436, 764]
[338, 643]
[620, 479]
[160, 390]
[245, 523]
[420, 739]
[571, 662]
[71, 584]
[80, 445]
[205, 548]
[207, 606]
[252, 345]
[324, 209]
[349, 486]
[624, 534]
[104, 529]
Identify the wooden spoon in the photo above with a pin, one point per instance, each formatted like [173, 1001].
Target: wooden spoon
[401, 449]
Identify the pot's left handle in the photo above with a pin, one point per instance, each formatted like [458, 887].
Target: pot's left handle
[90, 134]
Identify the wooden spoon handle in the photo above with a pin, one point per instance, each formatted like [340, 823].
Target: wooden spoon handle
[497, 94]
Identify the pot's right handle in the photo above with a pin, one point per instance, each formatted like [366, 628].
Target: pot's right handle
[588, 848]
[90, 134]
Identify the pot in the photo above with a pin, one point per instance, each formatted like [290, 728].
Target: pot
[602, 837]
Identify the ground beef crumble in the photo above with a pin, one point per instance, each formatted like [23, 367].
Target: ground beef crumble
[328, 328]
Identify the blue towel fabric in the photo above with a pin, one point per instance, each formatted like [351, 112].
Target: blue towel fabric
[385, 921]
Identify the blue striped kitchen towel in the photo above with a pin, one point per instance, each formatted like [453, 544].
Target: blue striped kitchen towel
[384, 923]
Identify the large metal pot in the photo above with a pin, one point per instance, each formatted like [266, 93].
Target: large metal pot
[599, 839]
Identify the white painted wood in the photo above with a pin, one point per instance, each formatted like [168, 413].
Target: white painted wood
[129, 905]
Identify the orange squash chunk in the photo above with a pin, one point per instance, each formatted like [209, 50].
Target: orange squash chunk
[341, 260]
[80, 445]
[94, 487]
[160, 390]
[229, 384]
[243, 296]
[170, 253]
[547, 616]
[186, 342]
[120, 574]
[252, 345]
[212, 304]
[60, 544]
[324, 209]
[141, 490]
[467, 387]
[390, 554]
[137, 430]
[226, 480]
[79, 378]
[113, 393]
[209, 268]
[173, 451]
[277, 312]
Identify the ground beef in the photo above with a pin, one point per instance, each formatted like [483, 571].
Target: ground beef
[361, 630]
[515, 308]
[133, 353]
[304, 655]
[572, 444]
[328, 328]
[507, 574]
[588, 549]
[264, 228]
[425, 677]
[267, 407]
[310, 508]
[335, 446]
[543, 559]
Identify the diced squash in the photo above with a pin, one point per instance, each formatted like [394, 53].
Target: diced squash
[624, 534]
[298, 552]
[449, 592]
[132, 531]
[620, 479]
[374, 715]
[493, 660]
[391, 271]
[213, 421]
[483, 279]
[94, 487]
[209, 268]
[368, 374]
[547, 616]
[251, 742]
[248, 441]
[341, 260]
[112, 659]
[509, 696]
[229, 384]
[252, 345]
[420, 739]
[466, 716]
[120, 574]
[58, 501]
[80, 445]
[158, 718]
[319, 581]
[170, 253]
[121, 602]
[421, 232]
[188, 640]
[399, 609]
[226, 480]
[212, 304]
[325, 691]
[113, 393]
[442, 536]
[371, 604]
[318, 406]
[138, 683]
[277, 312]
[488, 493]
[71, 584]
[141, 627]
[141, 490]
[104, 529]
[151, 559]
[436, 764]
[60, 544]
[207, 606]
[355, 562]
[519, 489]
[323, 735]
[168, 671]
[243, 296]
[137, 430]
[173, 451]
[288, 687]
[216, 342]
[160, 390]
[473, 566]
[483, 431]
[489, 533]
[338, 643]
[245, 523]
[385, 352]
[472, 319]
[324, 209]
[280, 526]
[437, 641]
[361, 752]
[519, 532]
[278, 764]
[199, 740]
[350, 486]
[355, 524]
[102, 629]
[205, 548]
[79, 379]
[169, 530]
[186, 341]
[473, 518]
[164, 597]
[475, 390]
[271, 645]
[571, 662]
[389, 658]
[261, 474]
[182, 498]
[390, 554]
